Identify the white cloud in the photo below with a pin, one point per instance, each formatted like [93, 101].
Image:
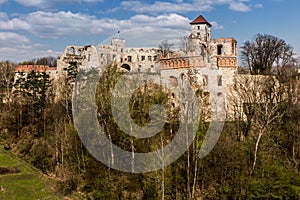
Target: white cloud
[180, 6]
[2, 1]
[14, 24]
[43, 4]
[216, 26]
[163, 7]
[3, 16]
[25, 52]
[239, 6]
[61, 24]
[67, 24]
[12, 38]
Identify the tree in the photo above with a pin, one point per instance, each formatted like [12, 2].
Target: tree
[165, 48]
[6, 79]
[186, 44]
[50, 61]
[265, 52]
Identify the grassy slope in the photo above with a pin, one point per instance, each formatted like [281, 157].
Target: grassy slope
[28, 184]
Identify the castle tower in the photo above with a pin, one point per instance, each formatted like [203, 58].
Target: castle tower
[200, 38]
[201, 29]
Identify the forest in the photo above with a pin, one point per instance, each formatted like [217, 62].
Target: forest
[256, 157]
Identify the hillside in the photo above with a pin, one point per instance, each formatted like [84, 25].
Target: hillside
[19, 180]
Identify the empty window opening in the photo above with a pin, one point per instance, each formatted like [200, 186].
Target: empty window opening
[126, 66]
[219, 80]
[205, 80]
[220, 49]
[129, 58]
[72, 50]
[79, 52]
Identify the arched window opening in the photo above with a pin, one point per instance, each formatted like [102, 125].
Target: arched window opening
[72, 50]
[219, 80]
[126, 66]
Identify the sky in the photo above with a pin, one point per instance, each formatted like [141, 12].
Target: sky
[39, 28]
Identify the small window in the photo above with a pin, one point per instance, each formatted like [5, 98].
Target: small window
[198, 27]
[121, 60]
[72, 50]
[155, 58]
[143, 58]
[149, 58]
[220, 49]
[205, 80]
[129, 58]
[219, 80]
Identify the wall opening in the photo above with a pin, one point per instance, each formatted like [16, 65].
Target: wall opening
[220, 49]
[129, 58]
[219, 80]
[126, 66]
[72, 50]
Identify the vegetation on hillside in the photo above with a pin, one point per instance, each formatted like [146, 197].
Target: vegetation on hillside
[256, 157]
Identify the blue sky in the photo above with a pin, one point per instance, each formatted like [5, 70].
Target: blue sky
[38, 28]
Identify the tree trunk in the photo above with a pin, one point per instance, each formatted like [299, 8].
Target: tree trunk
[256, 149]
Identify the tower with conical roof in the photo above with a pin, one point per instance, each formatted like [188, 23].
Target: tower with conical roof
[200, 28]
[200, 37]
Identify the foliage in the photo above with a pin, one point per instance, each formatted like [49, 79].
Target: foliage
[265, 52]
[37, 124]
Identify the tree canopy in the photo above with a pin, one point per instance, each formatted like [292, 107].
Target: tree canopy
[264, 52]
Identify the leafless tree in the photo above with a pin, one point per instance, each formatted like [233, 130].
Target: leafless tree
[165, 47]
[265, 52]
[6, 79]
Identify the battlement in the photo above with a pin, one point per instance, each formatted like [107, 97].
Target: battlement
[227, 62]
[36, 68]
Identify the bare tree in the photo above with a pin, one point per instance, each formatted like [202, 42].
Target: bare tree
[165, 48]
[6, 79]
[265, 51]
[186, 44]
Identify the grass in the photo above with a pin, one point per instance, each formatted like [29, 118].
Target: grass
[29, 183]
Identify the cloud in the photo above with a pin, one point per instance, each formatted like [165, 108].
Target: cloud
[25, 52]
[2, 1]
[239, 6]
[44, 4]
[216, 26]
[12, 38]
[163, 7]
[64, 24]
[14, 24]
[178, 6]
